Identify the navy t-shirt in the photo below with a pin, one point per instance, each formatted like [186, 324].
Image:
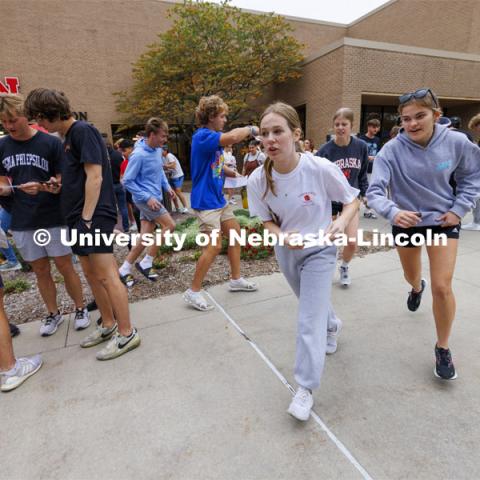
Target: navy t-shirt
[116, 161]
[36, 159]
[84, 144]
[373, 145]
[207, 170]
[352, 160]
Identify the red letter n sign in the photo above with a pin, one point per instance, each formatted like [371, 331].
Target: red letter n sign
[10, 86]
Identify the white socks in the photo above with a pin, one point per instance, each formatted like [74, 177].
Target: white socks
[147, 262]
[125, 269]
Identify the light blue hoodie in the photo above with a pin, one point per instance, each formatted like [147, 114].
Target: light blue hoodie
[144, 176]
[418, 177]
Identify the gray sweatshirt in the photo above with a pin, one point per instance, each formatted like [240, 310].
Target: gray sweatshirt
[418, 177]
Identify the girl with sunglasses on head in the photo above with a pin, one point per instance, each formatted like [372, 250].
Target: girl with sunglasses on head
[416, 167]
[292, 192]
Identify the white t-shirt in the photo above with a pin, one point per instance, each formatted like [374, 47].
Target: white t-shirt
[178, 172]
[303, 196]
[259, 156]
[230, 160]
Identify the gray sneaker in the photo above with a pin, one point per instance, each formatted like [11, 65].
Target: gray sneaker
[99, 335]
[119, 345]
[344, 276]
[24, 367]
[50, 324]
[82, 319]
[10, 266]
[332, 338]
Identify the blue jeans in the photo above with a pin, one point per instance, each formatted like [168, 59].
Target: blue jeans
[5, 222]
[122, 204]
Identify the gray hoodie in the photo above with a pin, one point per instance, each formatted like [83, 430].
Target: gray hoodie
[418, 177]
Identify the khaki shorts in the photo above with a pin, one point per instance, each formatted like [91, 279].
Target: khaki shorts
[212, 219]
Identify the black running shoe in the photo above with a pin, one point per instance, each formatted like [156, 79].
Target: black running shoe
[92, 306]
[414, 298]
[443, 364]
[14, 330]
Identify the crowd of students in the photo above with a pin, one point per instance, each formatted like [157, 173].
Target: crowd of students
[292, 188]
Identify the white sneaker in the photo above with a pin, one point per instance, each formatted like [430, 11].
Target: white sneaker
[242, 285]
[82, 319]
[119, 345]
[301, 404]
[184, 210]
[197, 300]
[344, 276]
[475, 227]
[332, 338]
[24, 368]
[232, 202]
[50, 324]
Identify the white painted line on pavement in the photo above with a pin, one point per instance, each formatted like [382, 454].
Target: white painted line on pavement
[274, 369]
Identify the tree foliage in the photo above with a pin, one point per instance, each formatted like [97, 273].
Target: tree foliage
[210, 49]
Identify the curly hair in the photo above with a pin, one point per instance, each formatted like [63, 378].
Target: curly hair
[209, 107]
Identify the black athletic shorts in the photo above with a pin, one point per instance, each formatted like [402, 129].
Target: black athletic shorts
[1, 281]
[450, 232]
[99, 225]
[337, 208]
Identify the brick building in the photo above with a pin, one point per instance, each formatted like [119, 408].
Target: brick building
[86, 49]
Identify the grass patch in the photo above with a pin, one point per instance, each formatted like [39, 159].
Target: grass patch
[16, 286]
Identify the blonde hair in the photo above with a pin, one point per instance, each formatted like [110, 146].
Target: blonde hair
[209, 107]
[474, 121]
[293, 121]
[344, 112]
[11, 104]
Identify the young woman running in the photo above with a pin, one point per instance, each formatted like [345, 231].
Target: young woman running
[293, 192]
[416, 166]
[351, 155]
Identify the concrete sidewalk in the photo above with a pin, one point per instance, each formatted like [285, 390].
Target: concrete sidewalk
[196, 401]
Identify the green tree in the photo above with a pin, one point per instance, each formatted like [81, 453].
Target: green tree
[210, 49]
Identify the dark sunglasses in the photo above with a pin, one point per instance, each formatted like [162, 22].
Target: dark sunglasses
[421, 93]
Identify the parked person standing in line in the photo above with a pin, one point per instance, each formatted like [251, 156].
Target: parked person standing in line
[253, 159]
[293, 192]
[351, 155]
[145, 178]
[116, 160]
[473, 125]
[11, 261]
[417, 165]
[309, 146]
[214, 214]
[126, 148]
[33, 160]
[88, 204]
[231, 163]
[175, 179]
[13, 371]
[373, 143]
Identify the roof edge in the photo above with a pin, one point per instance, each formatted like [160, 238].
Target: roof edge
[390, 47]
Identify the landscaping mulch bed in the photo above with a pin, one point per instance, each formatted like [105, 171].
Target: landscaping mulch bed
[175, 277]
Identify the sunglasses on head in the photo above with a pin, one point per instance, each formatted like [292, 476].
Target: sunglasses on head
[421, 93]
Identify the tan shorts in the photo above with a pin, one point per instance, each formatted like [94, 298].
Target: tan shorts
[212, 219]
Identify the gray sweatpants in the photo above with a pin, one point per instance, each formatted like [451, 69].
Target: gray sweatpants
[309, 273]
[476, 212]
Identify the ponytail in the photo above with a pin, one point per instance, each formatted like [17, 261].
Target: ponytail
[268, 167]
